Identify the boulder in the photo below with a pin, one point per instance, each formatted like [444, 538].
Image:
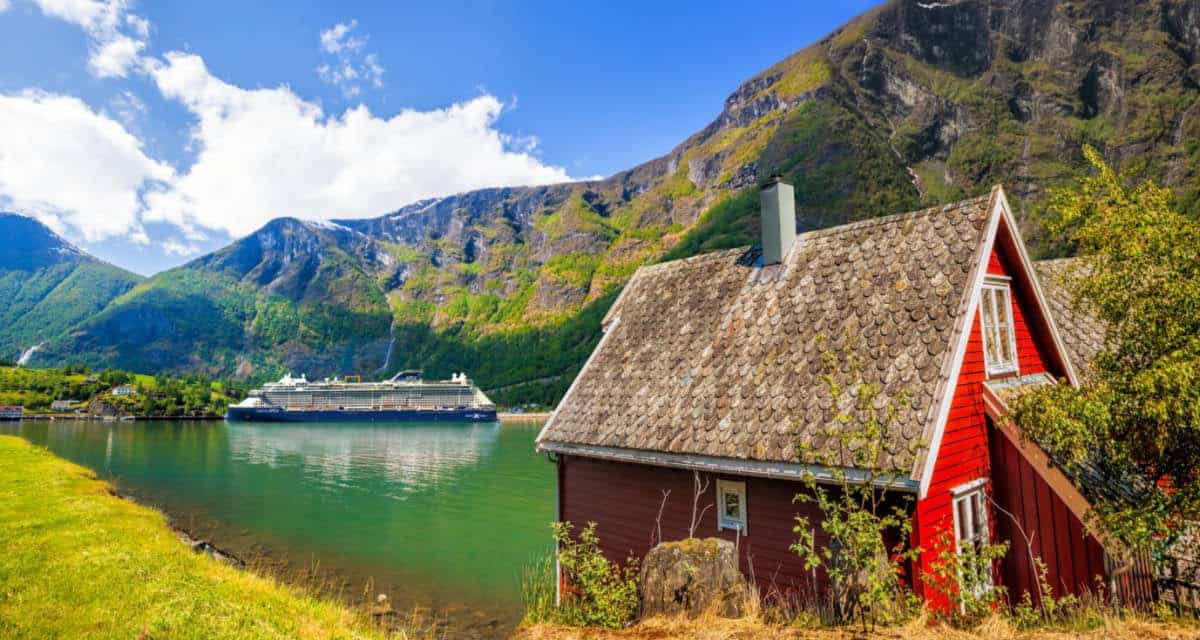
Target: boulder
[691, 576]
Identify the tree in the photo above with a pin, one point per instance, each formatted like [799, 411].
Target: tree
[1137, 415]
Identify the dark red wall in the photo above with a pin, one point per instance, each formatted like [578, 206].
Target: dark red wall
[1073, 559]
[623, 500]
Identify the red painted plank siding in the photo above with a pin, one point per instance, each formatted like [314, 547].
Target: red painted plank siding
[964, 455]
[1073, 561]
[623, 500]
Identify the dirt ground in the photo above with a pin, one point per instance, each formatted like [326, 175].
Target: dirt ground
[711, 628]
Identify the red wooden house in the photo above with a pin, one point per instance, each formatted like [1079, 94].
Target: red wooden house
[713, 364]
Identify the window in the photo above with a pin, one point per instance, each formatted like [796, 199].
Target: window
[999, 343]
[731, 505]
[971, 531]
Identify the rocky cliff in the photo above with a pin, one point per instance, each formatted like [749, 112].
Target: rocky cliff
[912, 103]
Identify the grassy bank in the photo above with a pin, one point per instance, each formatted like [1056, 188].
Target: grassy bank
[997, 628]
[76, 561]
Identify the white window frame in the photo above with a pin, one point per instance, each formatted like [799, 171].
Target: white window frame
[1000, 287]
[974, 494]
[725, 487]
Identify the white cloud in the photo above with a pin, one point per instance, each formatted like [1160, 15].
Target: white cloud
[351, 67]
[337, 38]
[128, 109]
[264, 153]
[4, 5]
[69, 165]
[174, 247]
[112, 51]
[261, 153]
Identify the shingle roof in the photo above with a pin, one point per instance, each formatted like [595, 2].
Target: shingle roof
[715, 356]
[1082, 333]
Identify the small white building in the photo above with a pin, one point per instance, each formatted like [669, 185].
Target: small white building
[63, 405]
[124, 390]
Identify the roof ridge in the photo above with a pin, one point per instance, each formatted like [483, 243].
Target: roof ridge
[827, 231]
[894, 217]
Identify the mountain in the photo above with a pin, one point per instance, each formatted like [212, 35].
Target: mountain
[48, 285]
[913, 103]
[294, 294]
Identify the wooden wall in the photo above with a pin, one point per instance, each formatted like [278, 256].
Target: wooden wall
[1029, 509]
[623, 500]
[964, 453]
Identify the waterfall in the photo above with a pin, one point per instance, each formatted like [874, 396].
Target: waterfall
[28, 353]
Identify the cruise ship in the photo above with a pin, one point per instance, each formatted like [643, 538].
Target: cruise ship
[404, 397]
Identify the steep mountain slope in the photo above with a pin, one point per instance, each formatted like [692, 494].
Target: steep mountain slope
[292, 295]
[912, 103]
[47, 284]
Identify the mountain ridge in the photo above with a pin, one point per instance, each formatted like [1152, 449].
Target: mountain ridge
[909, 104]
[48, 284]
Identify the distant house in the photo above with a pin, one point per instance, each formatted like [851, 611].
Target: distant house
[124, 390]
[63, 405]
[713, 364]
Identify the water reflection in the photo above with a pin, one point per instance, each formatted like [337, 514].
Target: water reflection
[408, 457]
[441, 515]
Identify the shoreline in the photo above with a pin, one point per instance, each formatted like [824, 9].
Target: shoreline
[500, 417]
[524, 417]
[94, 418]
[129, 572]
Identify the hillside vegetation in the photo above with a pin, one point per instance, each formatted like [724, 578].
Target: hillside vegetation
[47, 285]
[162, 395]
[911, 104]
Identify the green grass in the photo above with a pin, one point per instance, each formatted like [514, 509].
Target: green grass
[76, 561]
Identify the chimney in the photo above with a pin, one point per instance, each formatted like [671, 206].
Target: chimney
[777, 201]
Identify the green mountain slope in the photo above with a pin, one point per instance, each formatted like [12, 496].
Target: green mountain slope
[47, 284]
[293, 295]
[914, 103]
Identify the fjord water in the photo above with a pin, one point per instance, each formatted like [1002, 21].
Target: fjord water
[434, 515]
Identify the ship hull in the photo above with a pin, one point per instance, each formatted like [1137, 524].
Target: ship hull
[276, 414]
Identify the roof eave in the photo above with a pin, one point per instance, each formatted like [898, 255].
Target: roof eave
[948, 380]
[731, 466]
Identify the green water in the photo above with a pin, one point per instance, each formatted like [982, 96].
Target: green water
[436, 515]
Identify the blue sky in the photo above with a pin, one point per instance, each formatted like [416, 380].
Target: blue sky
[149, 132]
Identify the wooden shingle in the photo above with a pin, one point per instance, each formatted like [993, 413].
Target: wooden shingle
[716, 355]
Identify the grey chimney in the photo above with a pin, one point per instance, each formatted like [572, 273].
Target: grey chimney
[778, 203]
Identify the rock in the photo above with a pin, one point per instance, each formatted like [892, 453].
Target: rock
[691, 576]
[382, 608]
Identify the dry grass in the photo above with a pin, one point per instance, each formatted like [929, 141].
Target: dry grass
[996, 628]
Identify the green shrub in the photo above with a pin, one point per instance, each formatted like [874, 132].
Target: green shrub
[954, 570]
[596, 592]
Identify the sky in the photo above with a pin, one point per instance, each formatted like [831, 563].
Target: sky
[149, 133]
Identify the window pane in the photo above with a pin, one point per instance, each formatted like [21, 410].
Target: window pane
[981, 530]
[987, 307]
[1003, 317]
[733, 505]
[964, 531]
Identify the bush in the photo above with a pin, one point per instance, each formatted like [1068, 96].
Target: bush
[952, 573]
[597, 593]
